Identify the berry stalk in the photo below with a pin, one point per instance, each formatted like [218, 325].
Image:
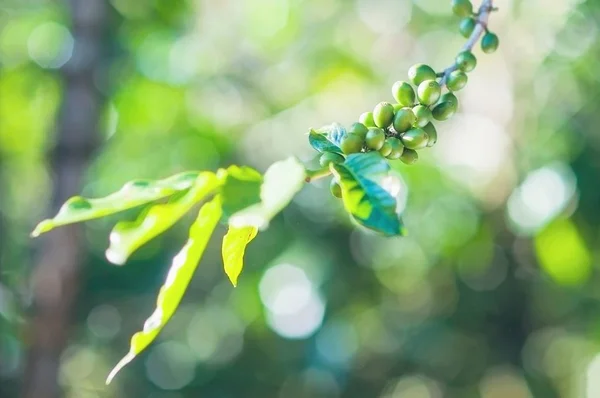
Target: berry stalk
[482, 16]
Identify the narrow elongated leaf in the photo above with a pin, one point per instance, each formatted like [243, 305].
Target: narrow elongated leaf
[240, 188]
[234, 247]
[369, 204]
[176, 283]
[128, 236]
[281, 183]
[134, 193]
[327, 138]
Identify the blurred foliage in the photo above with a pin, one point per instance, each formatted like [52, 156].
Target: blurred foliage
[493, 294]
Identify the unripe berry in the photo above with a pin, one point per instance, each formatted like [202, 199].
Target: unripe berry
[397, 107]
[358, 129]
[367, 119]
[375, 138]
[330, 157]
[462, 8]
[397, 148]
[456, 80]
[415, 138]
[466, 27]
[449, 97]
[429, 92]
[423, 115]
[409, 156]
[336, 189]
[383, 114]
[443, 111]
[489, 43]
[352, 143]
[404, 120]
[431, 133]
[466, 61]
[403, 93]
[418, 73]
[386, 149]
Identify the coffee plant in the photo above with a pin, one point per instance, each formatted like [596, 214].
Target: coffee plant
[356, 157]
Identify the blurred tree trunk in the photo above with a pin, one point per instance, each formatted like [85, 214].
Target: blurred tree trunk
[55, 279]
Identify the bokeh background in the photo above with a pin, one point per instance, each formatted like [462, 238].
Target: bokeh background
[495, 293]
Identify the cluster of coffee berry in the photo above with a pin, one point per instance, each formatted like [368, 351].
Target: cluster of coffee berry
[398, 130]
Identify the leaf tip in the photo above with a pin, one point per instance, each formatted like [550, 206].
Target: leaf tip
[115, 256]
[41, 228]
[124, 361]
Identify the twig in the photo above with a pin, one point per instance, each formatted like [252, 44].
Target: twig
[482, 16]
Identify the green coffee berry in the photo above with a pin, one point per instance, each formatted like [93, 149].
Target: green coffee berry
[429, 92]
[336, 189]
[489, 43]
[375, 138]
[466, 61]
[367, 119]
[358, 129]
[423, 115]
[385, 149]
[418, 73]
[404, 120]
[449, 97]
[409, 156]
[443, 111]
[330, 157]
[383, 114]
[456, 80]
[415, 138]
[467, 26]
[462, 8]
[397, 148]
[404, 93]
[431, 133]
[397, 107]
[352, 143]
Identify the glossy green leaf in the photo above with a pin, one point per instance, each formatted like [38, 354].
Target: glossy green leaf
[281, 183]
[240, 188]
[134, 193]
[128, 236]
[179, 276]
[327, 138]
[369, 204]
[233, 249]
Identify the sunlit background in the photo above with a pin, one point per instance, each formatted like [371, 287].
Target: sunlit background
[495, 293]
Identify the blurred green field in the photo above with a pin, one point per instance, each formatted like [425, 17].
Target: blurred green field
[495, 292]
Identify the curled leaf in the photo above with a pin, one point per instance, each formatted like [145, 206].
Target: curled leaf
[132, 194]
[234, 247]
[327, 138]
[179, 276]
[128, 236]
[368, 203]
[281, 183]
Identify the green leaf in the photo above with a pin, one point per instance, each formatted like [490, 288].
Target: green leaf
[282, 181]
[369, 204]
[327, 138]
[234, 246]
[240, 189]
[133, 193]
[178, 278]
[128, 236]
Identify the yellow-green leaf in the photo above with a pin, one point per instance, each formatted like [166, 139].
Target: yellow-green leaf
[133, 193]
[128, 236]
[281, 183]
[234, 246]
[179, 276]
